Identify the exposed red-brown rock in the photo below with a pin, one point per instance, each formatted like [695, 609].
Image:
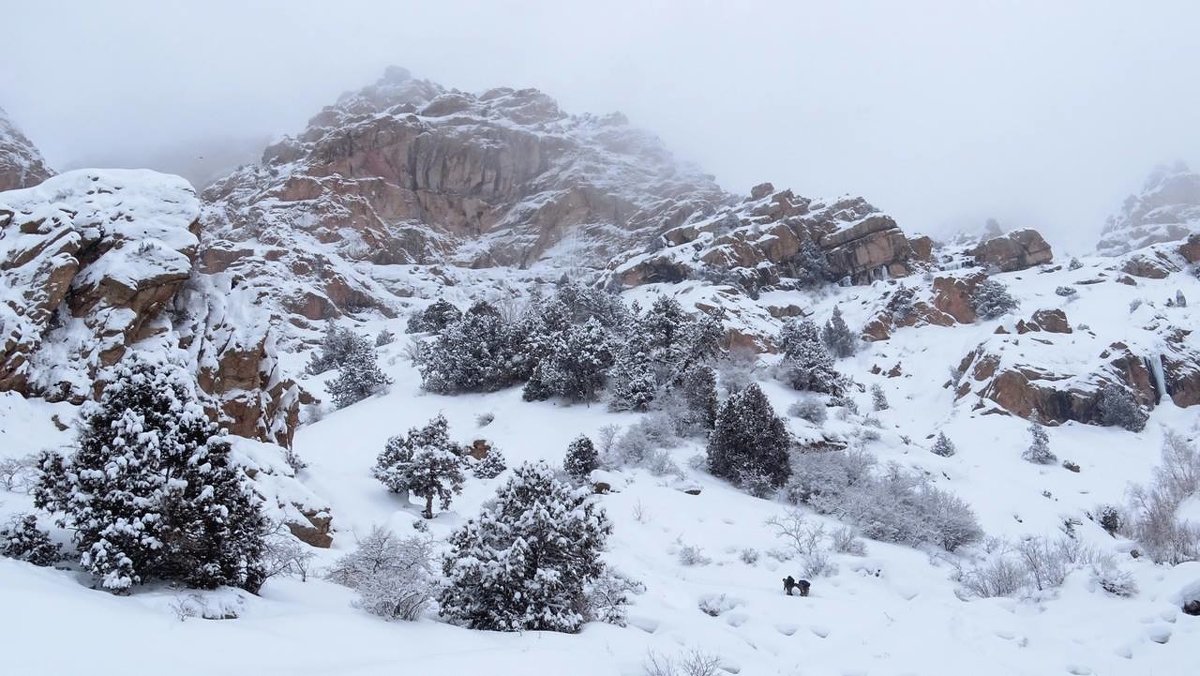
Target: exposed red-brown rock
[1017, 250]
[21, 165]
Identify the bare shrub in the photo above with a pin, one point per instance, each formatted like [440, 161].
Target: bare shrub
[691, 663]
[393, 576]
[692, 555]
[1047, 563]
[805, 540]
[846, 541]
[1154, 521]
[811, 409]
[1109, 577]
[1000, 576]
[18, 474]
[608, 596]
[284, 555]
[749, 556]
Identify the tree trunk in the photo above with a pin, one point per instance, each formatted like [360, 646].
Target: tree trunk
[428, 513]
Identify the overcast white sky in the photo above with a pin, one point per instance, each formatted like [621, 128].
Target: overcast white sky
[942, 113]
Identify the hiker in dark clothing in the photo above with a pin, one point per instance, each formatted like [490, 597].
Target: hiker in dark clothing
[790, 584]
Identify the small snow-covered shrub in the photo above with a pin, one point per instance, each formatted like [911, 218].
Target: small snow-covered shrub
[434, 318]
[284, 555]
[22, 539]
[1110, 519]
[692, 663]
[1108, 576]
[359, 375]
[714, 605]
[991, 300]
[18, 474]
[692, 555]
[811, 409]
[1074, 264]
[1118, 408]
[384, 337]
[999, 576]
[749, 556]
[878, 398]
[393, 576]
[608, 596]
[485, 419]
[943, 446]
[293, 460]
[846, 541]
[492, 465]
[1065, 291]
[1048, 563]
[1038, 451]
[336, 345]
[1134, 305]
[901, 302]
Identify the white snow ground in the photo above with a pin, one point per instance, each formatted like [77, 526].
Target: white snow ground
[894, 611]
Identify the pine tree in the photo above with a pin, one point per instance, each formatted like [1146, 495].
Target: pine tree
[22, 539]
[425, 463]
[806, 364]
[991, 299]
[434, 318]
[358, 375]
[878, 398]
[1117, 407]
[943, 446]
[697, 388]
[525, 564]
[491, 466]
[633, 385]
[335, 347]
[901, 302]
[150, 491]
[1039, 445]
[574, 366]
[749, 442]
[479, 353]
[810, 265]
[581, 459]
[837, 337]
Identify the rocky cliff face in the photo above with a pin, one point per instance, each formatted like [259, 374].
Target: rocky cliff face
[1166, 210]
[21, 165]
[406, 171]
[95, 263]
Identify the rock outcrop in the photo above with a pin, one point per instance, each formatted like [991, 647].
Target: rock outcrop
[94, 263]
[1166, 210]
[1016, 250]
[772, 239]
[21, 165]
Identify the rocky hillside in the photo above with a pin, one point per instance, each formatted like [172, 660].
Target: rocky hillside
[1166, 210]
[95, 263]
[21, 164]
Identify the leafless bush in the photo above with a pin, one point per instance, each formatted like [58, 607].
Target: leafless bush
[1047, 563]
[717, 604]
[749, 556]
[1155, 523]
[691, 663]
[1109, 577]
[608, 595]
[736, 370]
[805, 540]
[1000, 576]
[393, 576]
[691, 555]
[639, 512]
[283, 554]
[846, 541]
[18, 474]
[811, 409]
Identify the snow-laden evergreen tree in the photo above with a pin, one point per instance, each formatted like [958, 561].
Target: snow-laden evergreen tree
[584, 303]
[434, 318]
[1039, 442]
[878, 399]
[526, 563]
[1180, 299]
[425, 463]
[575, 364]
[943, 446]
[1118, 408]
[336, 345]
[837, 337]
[22, 539]
[749, 442]
[632, 383]
[359, 375]
[393, 576]
[991, 299]
[479, 353]
[150, 491]
[806, 364]
[697, 388]
[810, 267]
[384, 337]
[581, 459]
[491, 466]
[664, 325]
[901, 302]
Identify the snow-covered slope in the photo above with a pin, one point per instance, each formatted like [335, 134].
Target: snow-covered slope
[1166, 210]
[895, 610]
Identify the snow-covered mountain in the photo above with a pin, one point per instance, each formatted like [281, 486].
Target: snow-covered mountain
[21, 164]
[406, 193]
[1166, 210]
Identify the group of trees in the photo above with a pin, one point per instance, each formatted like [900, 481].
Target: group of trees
[359, 375]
